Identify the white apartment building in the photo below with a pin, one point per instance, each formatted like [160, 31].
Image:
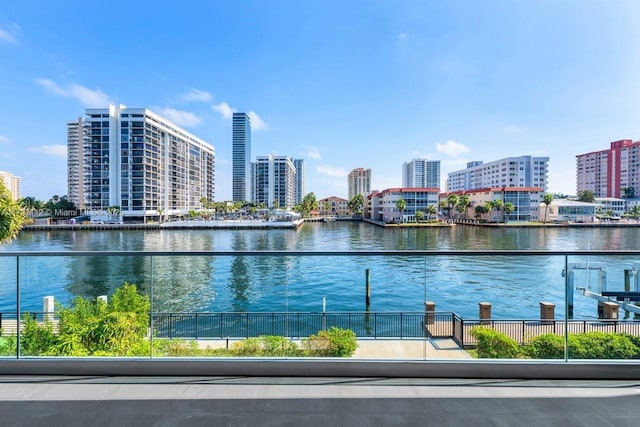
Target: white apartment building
[12, 183]
[139, 161]
[523, 171]
[421, 173]
[359, 181]
[381, 205]
[274, 181]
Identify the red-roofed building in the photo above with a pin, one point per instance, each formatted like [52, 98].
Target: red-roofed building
[381, 205]
[526, 201]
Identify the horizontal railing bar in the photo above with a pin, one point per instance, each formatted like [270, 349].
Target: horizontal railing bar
[410, 253]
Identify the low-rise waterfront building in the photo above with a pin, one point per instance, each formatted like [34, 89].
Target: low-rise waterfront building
[382, 205]
[562, 210]
[333, 206]
[611, 206]
[526, 202]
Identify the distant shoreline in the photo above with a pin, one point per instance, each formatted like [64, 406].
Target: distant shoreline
[294, 225]
[178, 225]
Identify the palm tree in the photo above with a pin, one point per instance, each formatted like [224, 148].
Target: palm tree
[432, 211]
[419, 216]
[463, 203]
[508, 208]
[452, 201]
[356, 203]
[546, 199]
[481, 209]
[11, 216]
[401, 204]
[497, 204]
[635, 212]
[586, 196]
[489, 208]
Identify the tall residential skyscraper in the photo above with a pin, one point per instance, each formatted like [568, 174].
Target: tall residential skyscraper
[523, 171]
[274, 179]
[78, 171]
[606, 173]
[359, 182]
[142, 163]
[12, 183]
[300, 179]
[421, 173]
[241, 169]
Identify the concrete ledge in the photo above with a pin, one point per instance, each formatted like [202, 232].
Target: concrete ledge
[541, 369]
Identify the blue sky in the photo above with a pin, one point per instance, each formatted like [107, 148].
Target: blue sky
[342, 84]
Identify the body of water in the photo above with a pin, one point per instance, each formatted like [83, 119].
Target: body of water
[513, 285]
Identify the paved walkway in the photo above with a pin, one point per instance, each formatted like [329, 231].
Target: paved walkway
[410, 349]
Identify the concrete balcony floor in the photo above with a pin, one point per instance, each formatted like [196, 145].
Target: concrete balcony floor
[312, 401]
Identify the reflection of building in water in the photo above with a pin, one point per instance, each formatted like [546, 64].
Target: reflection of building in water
[257, 278]
[183, 283]
[239, 279]
[179, 283]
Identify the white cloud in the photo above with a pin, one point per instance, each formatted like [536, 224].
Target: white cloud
[224, 109]
[312, 153]
[452, 148]
[182, 118]
[4, 139]
[6, 36]
[197, 95]
[256, 122]
[331, 171]
[86, 96]
[59, 150]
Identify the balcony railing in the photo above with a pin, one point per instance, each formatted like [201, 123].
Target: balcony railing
[456, 280]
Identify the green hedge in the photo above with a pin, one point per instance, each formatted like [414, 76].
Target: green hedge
[590, 345]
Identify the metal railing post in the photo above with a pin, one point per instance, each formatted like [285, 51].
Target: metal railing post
[151, 322]
[18, 307]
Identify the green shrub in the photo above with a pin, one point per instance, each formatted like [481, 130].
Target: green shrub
[8, 346]
[335, 342]
[93, 328]
[600, 345]
[494, 345]
[35, 339]
[546, 346]
[265, 346]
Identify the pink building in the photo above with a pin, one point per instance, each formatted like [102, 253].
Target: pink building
[605, 173]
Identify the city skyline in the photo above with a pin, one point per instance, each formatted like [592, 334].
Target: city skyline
[340, 85]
